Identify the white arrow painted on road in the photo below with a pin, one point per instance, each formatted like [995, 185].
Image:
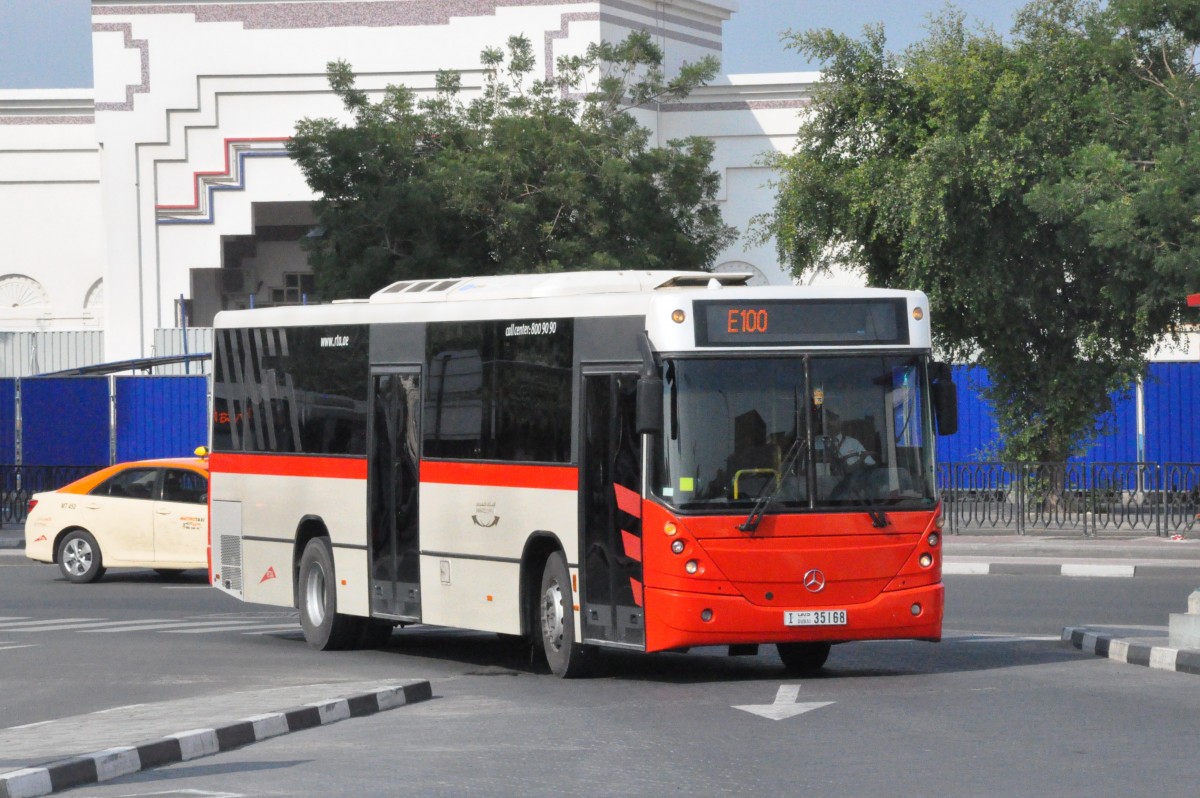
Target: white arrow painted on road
[785, 705]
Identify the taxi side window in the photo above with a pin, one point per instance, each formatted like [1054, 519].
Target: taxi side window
[180, 485]
[133, 483]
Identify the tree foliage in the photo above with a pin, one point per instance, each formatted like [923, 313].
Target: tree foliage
[1044, 190]
[530, 176]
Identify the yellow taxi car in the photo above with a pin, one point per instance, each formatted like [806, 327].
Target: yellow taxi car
[141, 514]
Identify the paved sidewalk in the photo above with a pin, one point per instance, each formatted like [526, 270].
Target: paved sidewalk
[12, 536]
[1070, 556]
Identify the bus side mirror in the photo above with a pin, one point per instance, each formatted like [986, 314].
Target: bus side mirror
[649, 406]
[945, 398]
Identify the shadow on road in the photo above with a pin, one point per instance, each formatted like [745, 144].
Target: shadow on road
[502, 656]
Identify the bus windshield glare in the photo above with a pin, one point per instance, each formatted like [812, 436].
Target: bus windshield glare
[813, 433]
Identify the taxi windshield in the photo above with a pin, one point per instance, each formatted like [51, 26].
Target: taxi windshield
[810, 432]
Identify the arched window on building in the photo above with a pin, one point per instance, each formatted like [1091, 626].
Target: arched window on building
[93, 303]
[19, 292]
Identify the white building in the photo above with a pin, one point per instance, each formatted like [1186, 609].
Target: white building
[168, 186]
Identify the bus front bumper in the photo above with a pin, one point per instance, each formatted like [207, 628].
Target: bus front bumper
[676, 619]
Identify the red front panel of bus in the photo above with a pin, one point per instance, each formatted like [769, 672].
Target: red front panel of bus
[824, 576]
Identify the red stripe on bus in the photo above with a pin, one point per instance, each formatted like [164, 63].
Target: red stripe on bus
[628, 501]
[633, 546]
[500, 476]
[283, 465]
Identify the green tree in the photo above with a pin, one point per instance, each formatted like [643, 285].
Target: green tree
[530, 176]
[1042, 189]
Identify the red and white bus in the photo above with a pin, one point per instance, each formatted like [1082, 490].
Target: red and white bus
[646, 461]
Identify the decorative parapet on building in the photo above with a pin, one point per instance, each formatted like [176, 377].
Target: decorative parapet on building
[229, 178]
[47, 107]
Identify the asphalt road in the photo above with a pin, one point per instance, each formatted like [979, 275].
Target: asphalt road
[1001, 707]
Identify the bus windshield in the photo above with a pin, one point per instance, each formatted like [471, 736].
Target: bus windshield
[813, 433]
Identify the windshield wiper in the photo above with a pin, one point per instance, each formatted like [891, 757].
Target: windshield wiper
[879, 518]
[767, 497]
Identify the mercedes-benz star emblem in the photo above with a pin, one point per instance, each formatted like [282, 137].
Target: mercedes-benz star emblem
[814, 580]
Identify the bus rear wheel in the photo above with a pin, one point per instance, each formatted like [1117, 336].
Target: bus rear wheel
[556, 621]
[324, 628]
[803, 657]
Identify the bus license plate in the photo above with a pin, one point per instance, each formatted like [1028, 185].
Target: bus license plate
[814, 618]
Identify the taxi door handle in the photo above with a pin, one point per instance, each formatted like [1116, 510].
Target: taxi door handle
[163, 512]
[92, 506]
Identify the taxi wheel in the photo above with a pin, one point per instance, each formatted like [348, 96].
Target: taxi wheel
[803, 657]
[324, 627]
[79, 557]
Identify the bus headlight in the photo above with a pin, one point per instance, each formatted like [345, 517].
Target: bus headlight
[677, 546]
[926, 560]
[691, 566]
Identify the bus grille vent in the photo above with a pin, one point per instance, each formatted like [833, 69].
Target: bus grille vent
[231, 562]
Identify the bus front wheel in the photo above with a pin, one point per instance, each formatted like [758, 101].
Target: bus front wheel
[324, 628]
[567, 658]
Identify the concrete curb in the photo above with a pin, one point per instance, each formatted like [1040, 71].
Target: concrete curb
[1159, 657]
[1115, 569]
[112, 763]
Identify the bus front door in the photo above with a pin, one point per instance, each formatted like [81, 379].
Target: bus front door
[392, 494]
[612, 512]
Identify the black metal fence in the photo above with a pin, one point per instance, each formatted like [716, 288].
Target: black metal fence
[19, 483]
[1088, 499]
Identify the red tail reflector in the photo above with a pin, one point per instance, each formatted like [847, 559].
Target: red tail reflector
[32, 504]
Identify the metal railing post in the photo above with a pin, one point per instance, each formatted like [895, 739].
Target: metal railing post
[1020, 508]
[1158, 506]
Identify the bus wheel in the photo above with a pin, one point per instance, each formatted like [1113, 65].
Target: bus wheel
[803, 657]
[324, 628]
[556, 619]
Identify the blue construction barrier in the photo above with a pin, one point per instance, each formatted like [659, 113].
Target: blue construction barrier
[95, 421]
[1172, 391]
[65, 421]
[86, 421]
[160, 416]
[978, 440]
[8, 421]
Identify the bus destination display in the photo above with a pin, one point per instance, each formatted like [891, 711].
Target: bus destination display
[815, 322]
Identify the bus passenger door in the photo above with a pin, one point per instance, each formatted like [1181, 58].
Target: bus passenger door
[611, 510]
[392, 494]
